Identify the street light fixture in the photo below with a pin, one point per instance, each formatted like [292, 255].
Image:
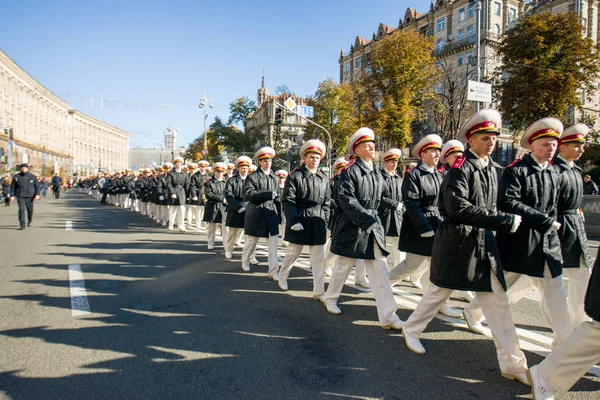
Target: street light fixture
[203, 103]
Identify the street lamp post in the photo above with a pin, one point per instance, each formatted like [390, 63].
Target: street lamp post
[203, 103]
[478, 46]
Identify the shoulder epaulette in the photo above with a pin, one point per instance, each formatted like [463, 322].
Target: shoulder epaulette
[207, 180]
[512, 164]
[442, 168]
[459, 161]
[409, 169]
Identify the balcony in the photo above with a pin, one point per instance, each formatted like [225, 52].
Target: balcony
[453, 46]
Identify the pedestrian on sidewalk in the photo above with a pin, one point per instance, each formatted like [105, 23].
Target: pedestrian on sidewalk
[589, 186]
[6, 182]
[25, 188]
[56, 185]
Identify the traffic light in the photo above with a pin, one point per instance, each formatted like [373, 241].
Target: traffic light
[278, 116]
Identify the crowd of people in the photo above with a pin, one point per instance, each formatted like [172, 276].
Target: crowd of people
[488, 234]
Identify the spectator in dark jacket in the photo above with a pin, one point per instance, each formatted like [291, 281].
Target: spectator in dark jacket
[589, 187]
[6, 190]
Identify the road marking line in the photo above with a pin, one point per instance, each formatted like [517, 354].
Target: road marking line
[79, 301]
[68, 225]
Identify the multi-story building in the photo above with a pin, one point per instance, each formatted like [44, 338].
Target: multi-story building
[47, 133]
[148, 158]
[452, 25]
[263, 119]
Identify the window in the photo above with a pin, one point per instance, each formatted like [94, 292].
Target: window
[347, 67]
[441, 24]
[468, 56]
[357, 63]
[497, 29]
[459, 80]
[438, 88]
[470, 10]
[470, 33]
[423, 30]
[460, 59]
[497, 8]
[512, 14]
[584, 23]
[440, 45]
[461, 35]
[461, 15]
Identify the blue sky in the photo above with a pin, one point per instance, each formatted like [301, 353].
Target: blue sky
[172, 52]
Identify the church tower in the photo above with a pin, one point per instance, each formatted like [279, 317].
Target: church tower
[263, 92]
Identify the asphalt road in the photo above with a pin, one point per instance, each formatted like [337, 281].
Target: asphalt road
[171, 320]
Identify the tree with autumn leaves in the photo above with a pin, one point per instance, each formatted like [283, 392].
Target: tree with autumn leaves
[397, 80]
[549, 65]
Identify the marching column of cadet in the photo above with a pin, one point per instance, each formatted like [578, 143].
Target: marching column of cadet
[488, 234]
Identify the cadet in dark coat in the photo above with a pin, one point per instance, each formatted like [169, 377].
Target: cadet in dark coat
[282, 175]
[577, 261]
[305, 202]
[567, 363]
[392, 208]
[236, 205]
[25, 188]
[262, 219]
[465, 255]
[334, 210]
[56, 185]
[358, 232]
[198, 180]
[178, 182]
[529, 188]
[420, 195]
[214, 209]
[162, 194]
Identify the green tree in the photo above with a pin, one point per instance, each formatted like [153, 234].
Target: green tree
[214, 143]
[548, 67]
[239, 109]
[401, 74]
[336, 109]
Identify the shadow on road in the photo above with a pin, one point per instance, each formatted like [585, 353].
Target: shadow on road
[171, 320]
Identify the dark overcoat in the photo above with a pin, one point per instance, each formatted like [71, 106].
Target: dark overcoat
[573, 240]
[465, 252]
[420, 191]
[305, 200]
[197, 188]
[178, 184]
[214, 209]
[162, 190]
[390, 217]
[262, 219]
[234, 194]
[592, 296]
[360, 192]
[334, 207]
[24, 184]
[530, 191]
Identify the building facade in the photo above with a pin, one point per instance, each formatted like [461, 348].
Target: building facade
[263, 119]
[452, 26]
[48, 134]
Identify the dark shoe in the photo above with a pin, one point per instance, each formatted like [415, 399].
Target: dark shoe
[30, 223]
[22, 228]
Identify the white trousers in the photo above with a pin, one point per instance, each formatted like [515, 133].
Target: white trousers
[233, 235]
[380, 285]
[573, 358]
[392, 246]
[179, 211]
[497, 311]
[553, 301]
[199, 210]
[412, 264]
[576, 289]
[189, 212]
[317, 264]
[211, 232]
[329, 256]
[250, 243]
